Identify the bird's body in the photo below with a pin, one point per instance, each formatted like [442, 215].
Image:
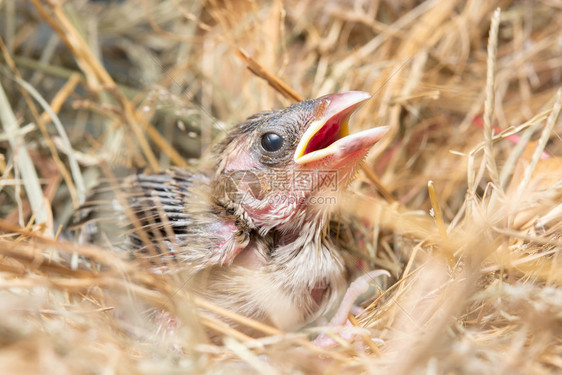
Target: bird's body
[252, 231]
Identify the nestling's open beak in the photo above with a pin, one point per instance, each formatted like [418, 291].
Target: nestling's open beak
[329, 134]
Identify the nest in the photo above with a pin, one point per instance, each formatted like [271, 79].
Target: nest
[460, 203]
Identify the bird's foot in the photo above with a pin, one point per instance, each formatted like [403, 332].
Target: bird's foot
[345, 335]
[357, 288]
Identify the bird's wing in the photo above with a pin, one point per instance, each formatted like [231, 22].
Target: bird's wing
[165, 218]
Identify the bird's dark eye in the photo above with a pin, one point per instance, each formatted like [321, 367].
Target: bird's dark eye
[271, 142]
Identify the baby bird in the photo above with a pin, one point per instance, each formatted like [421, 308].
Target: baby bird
[251, 229]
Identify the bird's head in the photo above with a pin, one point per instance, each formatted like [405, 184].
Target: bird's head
[281, 167]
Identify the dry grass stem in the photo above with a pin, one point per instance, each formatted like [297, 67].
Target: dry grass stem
[436, 209]
[490, 99]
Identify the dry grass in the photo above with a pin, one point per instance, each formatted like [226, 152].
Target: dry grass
[146, 83]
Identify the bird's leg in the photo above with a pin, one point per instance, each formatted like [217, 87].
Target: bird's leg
[357, 288]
